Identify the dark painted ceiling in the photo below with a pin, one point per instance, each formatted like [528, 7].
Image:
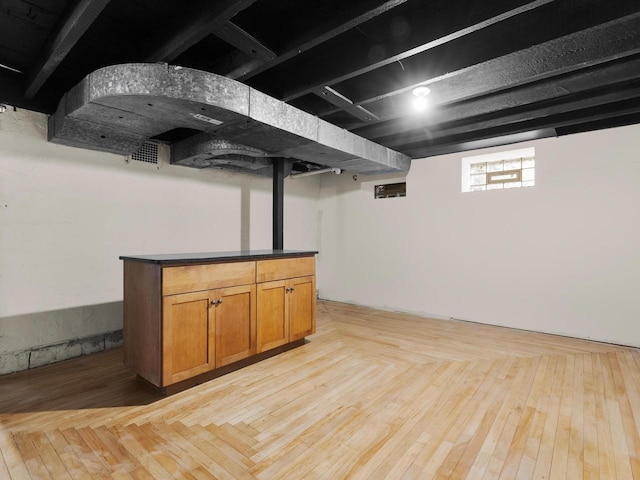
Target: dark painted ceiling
[499, 71]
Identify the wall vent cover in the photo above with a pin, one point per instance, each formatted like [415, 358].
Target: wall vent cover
[390, 190]
[147, 153]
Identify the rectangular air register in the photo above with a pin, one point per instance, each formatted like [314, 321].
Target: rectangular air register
[390, 190]
[147, 153]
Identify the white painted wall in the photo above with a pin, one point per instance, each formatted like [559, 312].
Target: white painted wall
[66, 214]
[561, 257]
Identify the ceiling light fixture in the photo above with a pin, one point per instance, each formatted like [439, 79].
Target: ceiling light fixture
[420, 102]
[421, 91]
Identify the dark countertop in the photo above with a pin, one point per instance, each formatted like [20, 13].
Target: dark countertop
[214, 257]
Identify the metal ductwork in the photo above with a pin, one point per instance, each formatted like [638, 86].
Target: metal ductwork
[206, 151]
[116, 109]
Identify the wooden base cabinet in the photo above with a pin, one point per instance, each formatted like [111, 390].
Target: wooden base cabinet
[302, 307]
[206, 330]
[273, 315]
[186, 321]
[286, 306]
[235, 324]
[188, 336]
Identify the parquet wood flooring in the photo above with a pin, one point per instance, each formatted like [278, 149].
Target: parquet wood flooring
[373, 395]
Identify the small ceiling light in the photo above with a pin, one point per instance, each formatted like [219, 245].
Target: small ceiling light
[420, 102]
[421, 91]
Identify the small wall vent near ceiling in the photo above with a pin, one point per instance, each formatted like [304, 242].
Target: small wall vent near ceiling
[390, 190]
[147, 153]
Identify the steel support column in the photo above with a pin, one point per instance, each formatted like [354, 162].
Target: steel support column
[278, 203]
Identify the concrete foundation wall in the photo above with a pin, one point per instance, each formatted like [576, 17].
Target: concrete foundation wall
[16, 361]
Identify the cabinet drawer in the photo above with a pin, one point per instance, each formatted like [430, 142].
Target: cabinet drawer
[194, 278]
[268, 270]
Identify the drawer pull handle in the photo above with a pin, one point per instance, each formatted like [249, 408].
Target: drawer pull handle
[214, 302]
[219, 301]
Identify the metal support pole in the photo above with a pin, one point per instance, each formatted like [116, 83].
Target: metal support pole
[278, 203]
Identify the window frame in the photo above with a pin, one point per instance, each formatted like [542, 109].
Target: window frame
[505, 156]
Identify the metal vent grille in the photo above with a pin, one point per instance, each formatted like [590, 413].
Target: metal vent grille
[147, 153]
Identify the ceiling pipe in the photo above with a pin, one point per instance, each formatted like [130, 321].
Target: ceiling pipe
[11, 69]
[337, 171]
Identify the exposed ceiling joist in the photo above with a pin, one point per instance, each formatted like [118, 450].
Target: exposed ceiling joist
[612, 122]
[42, 17]
[532, 28]
[612, 75]
[598, 45]
[494, 68]
[596, 103]
[485, 140]
[245, 42]
[335, 98]
[202, 21]
[425, 35]
[349, 16]
[63, 38]
[430, 144]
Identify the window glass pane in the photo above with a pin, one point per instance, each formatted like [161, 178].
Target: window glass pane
[503, 177]
[478, 167]
[479, 179]
[512, 184]
[512, 164]
[528, 162]
[495, 166]
[499, 170]
[528, 174]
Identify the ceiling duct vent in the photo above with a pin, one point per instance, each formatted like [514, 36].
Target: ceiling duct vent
[147, 153]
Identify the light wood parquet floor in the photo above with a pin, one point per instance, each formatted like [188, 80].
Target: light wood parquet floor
[373, 395]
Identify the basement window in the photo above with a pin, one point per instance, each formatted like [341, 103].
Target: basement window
[390, 190]
[498, 171]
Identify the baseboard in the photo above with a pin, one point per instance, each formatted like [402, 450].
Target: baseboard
[11, 362]
[499, 325]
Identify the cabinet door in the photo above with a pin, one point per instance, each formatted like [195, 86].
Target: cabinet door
[302, 307]
[235, 313]
[188, 336]
[273, 313]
